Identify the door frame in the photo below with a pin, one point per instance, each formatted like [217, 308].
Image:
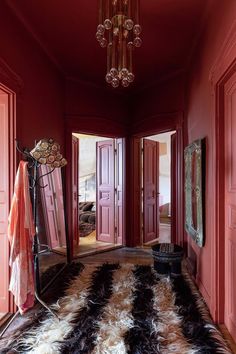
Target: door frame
[161, 124]
[12, 168]
[219, 254]
[13, 85]
[73, 128]
[219, 73]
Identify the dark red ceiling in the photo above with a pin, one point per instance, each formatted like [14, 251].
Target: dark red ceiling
[66, 29]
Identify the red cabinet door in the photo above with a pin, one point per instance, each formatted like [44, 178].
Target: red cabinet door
[105, 210]
[230, 205]
[150, 190]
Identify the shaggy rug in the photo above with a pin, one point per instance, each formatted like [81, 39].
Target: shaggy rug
[122, 309]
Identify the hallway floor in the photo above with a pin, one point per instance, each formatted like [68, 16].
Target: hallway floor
[89, 245]
[122, 255]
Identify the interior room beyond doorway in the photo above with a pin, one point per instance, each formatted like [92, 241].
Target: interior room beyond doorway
[97, 166]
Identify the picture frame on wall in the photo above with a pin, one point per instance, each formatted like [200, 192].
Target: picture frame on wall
[194, 163]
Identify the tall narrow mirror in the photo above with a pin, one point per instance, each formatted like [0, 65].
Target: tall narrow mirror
[52, 233]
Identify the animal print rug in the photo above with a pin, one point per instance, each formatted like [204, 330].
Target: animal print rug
[122, 309]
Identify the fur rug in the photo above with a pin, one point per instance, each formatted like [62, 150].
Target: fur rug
[122, 309]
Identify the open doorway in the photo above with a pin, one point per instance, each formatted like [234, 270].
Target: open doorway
[156, 188]
[100, 189]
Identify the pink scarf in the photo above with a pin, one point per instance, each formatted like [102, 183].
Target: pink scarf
[21, 232]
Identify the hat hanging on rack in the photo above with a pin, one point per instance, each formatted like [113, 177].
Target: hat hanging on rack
[47, 152]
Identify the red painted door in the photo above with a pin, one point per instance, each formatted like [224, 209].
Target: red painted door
[230, 205]
[4, 203]
[173, 188]
[105, 210]
[75, 189]
[150, 190]
[134, 167]
[119, 208]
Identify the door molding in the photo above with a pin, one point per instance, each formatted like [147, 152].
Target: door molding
[173, 189]
[73, 125]
[13, 85]
[222, 69]
[11, 167]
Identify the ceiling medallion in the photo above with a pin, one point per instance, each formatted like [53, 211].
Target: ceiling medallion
[119, 31]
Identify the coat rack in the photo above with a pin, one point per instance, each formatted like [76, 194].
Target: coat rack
[35, 185]
[34, 165]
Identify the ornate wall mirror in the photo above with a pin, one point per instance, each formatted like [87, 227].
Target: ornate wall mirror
[194, 160]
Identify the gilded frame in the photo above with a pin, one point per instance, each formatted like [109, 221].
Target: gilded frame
[194, 161]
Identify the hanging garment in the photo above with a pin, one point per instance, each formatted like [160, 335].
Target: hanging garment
[21, 231]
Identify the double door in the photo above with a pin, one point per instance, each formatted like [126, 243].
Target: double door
[109, 190]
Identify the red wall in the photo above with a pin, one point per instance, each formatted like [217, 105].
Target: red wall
[40, 104]
[94, 109]
[201, 121]
[129, 113]
[157, 102]
[107, 112]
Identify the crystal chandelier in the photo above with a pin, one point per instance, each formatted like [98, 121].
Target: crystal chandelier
[119, 30]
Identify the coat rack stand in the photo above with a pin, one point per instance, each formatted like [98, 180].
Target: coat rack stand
[36, 245]
[33, 166]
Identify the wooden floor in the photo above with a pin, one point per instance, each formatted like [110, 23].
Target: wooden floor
[90, 245]
[121, 255]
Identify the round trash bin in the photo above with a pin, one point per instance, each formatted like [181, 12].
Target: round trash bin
[167, 258]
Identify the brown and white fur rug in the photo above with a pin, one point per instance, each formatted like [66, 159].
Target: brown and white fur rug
[122, 309]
